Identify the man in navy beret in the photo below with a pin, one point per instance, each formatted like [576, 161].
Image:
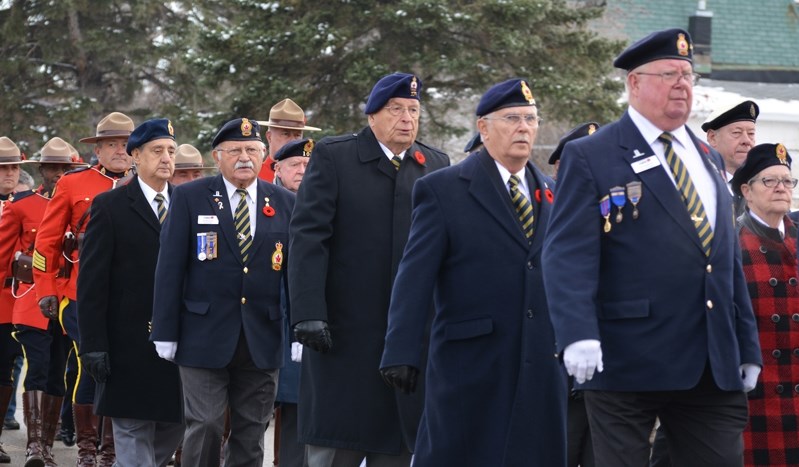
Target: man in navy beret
[348, 233]
[217, 309]
[137, 390]
[731, 132]
[475, 243]
[584, 129]
[643, 274]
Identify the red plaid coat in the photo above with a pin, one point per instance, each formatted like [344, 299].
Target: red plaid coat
[770, 266]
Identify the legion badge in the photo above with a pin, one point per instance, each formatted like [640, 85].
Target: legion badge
[246, 127]
[528, 95]
[782, 154]
[277, 257]
[682, 45]
[414, 87]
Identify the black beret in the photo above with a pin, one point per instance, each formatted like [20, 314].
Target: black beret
[511, 93]
[156, 128]
[473, 143]
[746, 111]
[667, 44]
[393, 85]
[296, 148]
[578, 132]
[759, 158]
[240, 129]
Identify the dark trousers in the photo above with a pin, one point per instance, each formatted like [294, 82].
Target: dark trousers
[660, 450]
[579, 448]
[292, 452]
[46, 355]
[704, 425]
[84, 391]
[9, 351]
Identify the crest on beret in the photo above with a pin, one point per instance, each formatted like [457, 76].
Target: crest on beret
[414, 86]
[591, 129]
[246, 127]
[170, 128]
[752, 110]
[528, 95]
[782, 154]
[682, 45]
[308, 148]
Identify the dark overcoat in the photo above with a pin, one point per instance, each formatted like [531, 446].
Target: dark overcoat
[496, 392]
[115, 293]
[348, 231]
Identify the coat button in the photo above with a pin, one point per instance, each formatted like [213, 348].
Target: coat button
[529, 312]
[795, 316]
[763, 249]
[776, 353]
[796, 388]
[529, 265]
[709, 304]
[246, 270]
[775, 318]
[243, 300]
[709, 268]
[778, 389]
[772, 282]
[792, 281]
[796, 352]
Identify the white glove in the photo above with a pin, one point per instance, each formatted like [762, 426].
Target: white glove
[749, 373]
[166, 350]
[296, 352]
[582, 358]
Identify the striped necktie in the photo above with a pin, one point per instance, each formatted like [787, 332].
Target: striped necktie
[689, 195]
[159, 198]
[242, 221]
[522, 205]
[396, 161]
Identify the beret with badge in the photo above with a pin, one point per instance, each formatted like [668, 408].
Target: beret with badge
[288, 115]
[402, 85]
[157, 128]
[511, 93]
[746, 111]
[297, 148]
[113, 125]
[672, 43]
[239, 129]
[473, 143]
[759, 158]
[579, 131]
[10, 153]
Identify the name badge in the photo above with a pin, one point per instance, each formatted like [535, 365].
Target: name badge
[645, 164]
[207, 220]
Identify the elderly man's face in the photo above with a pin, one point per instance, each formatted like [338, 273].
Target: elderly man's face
[768, 202]
[290, 171]
[396, 124]
[509, 134]
[9, 176]
[279, 137]
[239, 161]
[665, 103]
[733, 142]
[185, 175]
[155, 161]
[112, 154]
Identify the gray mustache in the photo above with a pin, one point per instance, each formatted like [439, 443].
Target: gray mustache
[243, 165]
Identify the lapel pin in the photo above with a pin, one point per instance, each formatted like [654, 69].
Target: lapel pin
[268, 210]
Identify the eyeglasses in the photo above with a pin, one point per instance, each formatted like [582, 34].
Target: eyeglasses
[236, 152]
[516, 119]
[671, 77]
[770, 182]
[397, 110]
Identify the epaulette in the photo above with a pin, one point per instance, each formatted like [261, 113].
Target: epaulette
[74, 171]
[338, 138]
[22, 195]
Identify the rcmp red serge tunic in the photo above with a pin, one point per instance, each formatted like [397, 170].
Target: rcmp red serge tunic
[770, 266]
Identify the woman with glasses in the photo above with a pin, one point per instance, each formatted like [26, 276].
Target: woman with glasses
[768, 244]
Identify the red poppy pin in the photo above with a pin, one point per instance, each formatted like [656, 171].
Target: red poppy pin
[419, 157]
[704, 148]
[268, 210]
[537, 196]
[550, 196]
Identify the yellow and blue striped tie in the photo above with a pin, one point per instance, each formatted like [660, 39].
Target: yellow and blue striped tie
[396, 161]
[689, 195]
[159, 198]
[522, 205]
[242, 221]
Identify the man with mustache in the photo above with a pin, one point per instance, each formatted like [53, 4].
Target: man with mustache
[216, 310]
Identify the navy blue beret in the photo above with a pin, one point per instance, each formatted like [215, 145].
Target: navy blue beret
[393, 85]
[240, 129]
[579, 131]
[473, 143]
[297, 148]
[511, 93]
[156, 128]
[746, 111]
[667, 44]
[759, 158]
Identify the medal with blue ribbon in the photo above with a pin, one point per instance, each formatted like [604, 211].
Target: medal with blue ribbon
[604, 209]
[617, 197]
[634, 194]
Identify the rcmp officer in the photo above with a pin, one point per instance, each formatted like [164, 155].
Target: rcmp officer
[286, 123]
[492, 349]
[11, 160]
[350, 227]
[188, 165]
[138, 390]
[216, 310]
[661, 324]
[43, 340]
[66, 218]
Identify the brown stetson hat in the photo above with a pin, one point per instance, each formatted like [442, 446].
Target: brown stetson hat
[114, 125]
[10, 153]
[287, 114]
[187, 157]
[58, 151]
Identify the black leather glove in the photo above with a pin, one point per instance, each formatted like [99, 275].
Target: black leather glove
[97, 364]
[402, 377]
[314, 334]
[49, 307]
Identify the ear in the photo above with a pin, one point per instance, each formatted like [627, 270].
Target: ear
[215, 155]
[136, 154]
[746, 191]
[482, 127]
[711, 138]
[371, 119]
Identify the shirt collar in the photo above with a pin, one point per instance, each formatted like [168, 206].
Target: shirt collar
[505, 175]
[651, 133]
[388, 152]
[252, 190]
[780, 227]
[149, 192]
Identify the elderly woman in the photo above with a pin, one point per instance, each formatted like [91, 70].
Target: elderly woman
[768, 244]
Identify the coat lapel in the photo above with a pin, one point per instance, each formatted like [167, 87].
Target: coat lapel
[261, 220]
[369, 150]
[542, 208]
[139, 204]
[220, 204]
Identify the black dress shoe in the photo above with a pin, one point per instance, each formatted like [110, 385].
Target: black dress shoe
[4, 457]
[67, 436]
[10, 424]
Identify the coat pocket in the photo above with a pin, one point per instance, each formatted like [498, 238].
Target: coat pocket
[468, 329]
[625, 309]
[199, 308]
